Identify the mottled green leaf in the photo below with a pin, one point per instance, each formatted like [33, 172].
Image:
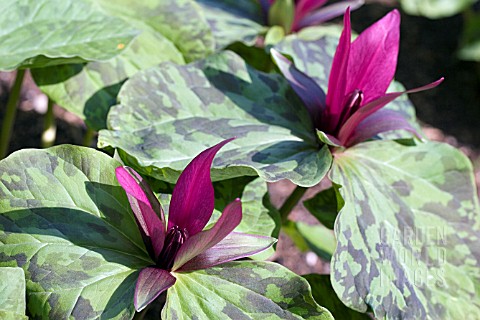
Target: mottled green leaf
[435, 9]
[169, 114]
[325, 206]
[39, 33]
[172, 30]
[242, 290]
[409, 231]
[323, 293]
[232, 20]
[12, 293]
[67, 223]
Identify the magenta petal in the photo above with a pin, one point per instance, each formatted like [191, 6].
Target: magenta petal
[146, 208]
[380, 121]
[306, 88]
[366, 110]
[373, 57]
[151, 283]
[337, 79]
[193, 199]
[327, 13]
[197, 244]
[235, 246]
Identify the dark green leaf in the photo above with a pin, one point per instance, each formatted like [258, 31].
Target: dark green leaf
[323, 293]
[325, 206]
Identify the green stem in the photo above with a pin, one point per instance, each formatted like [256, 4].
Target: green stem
[9, 120]
[49, 127]
[88, 137]
[291, 202]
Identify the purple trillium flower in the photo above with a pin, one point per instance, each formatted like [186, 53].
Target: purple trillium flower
[295, 15]
[360, 75]
[181, 244]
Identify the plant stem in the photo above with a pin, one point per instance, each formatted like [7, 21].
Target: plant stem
[9, 119]
[291, 202]
[88, 137]
[49, 127]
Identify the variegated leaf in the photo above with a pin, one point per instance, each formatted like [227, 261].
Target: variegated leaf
[12, 293]
[409, 231]
[67, 223]
[169, 114]
[172, 30]
[232, 21]
[39, 33]
[242, 290]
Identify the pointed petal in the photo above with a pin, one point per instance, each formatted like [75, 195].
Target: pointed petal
[380, 121]
[373, 57]
[338, 78]
[193, 200]
[327, 13]
[151, 283]
[234, 246]
[304, 7]
[366, 110]
[145, 207]
[306, 88]
[195, 245]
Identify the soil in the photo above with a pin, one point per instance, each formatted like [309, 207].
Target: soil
[428, 51]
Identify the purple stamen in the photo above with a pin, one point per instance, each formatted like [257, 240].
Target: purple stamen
[173, 241]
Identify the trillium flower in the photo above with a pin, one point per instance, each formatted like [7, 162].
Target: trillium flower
[181, 244]
[294, 15]
[361, 72]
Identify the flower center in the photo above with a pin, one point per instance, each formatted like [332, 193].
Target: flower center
[173, 241]
[352, 104]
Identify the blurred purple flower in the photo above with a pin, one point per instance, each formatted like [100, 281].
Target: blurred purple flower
[181, 245]
[295, 15]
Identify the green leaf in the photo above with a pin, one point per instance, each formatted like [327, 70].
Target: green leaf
[172, 30]
[242, 290]
[169, 114]
[67, 223]
[435, 9]
[470, 43]
[12, 293]
[322, 291]
[319, 239]
[256, 218]
[282, 13]
[325, 206]
[408, 233]
[232, 21]
[39, 33]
